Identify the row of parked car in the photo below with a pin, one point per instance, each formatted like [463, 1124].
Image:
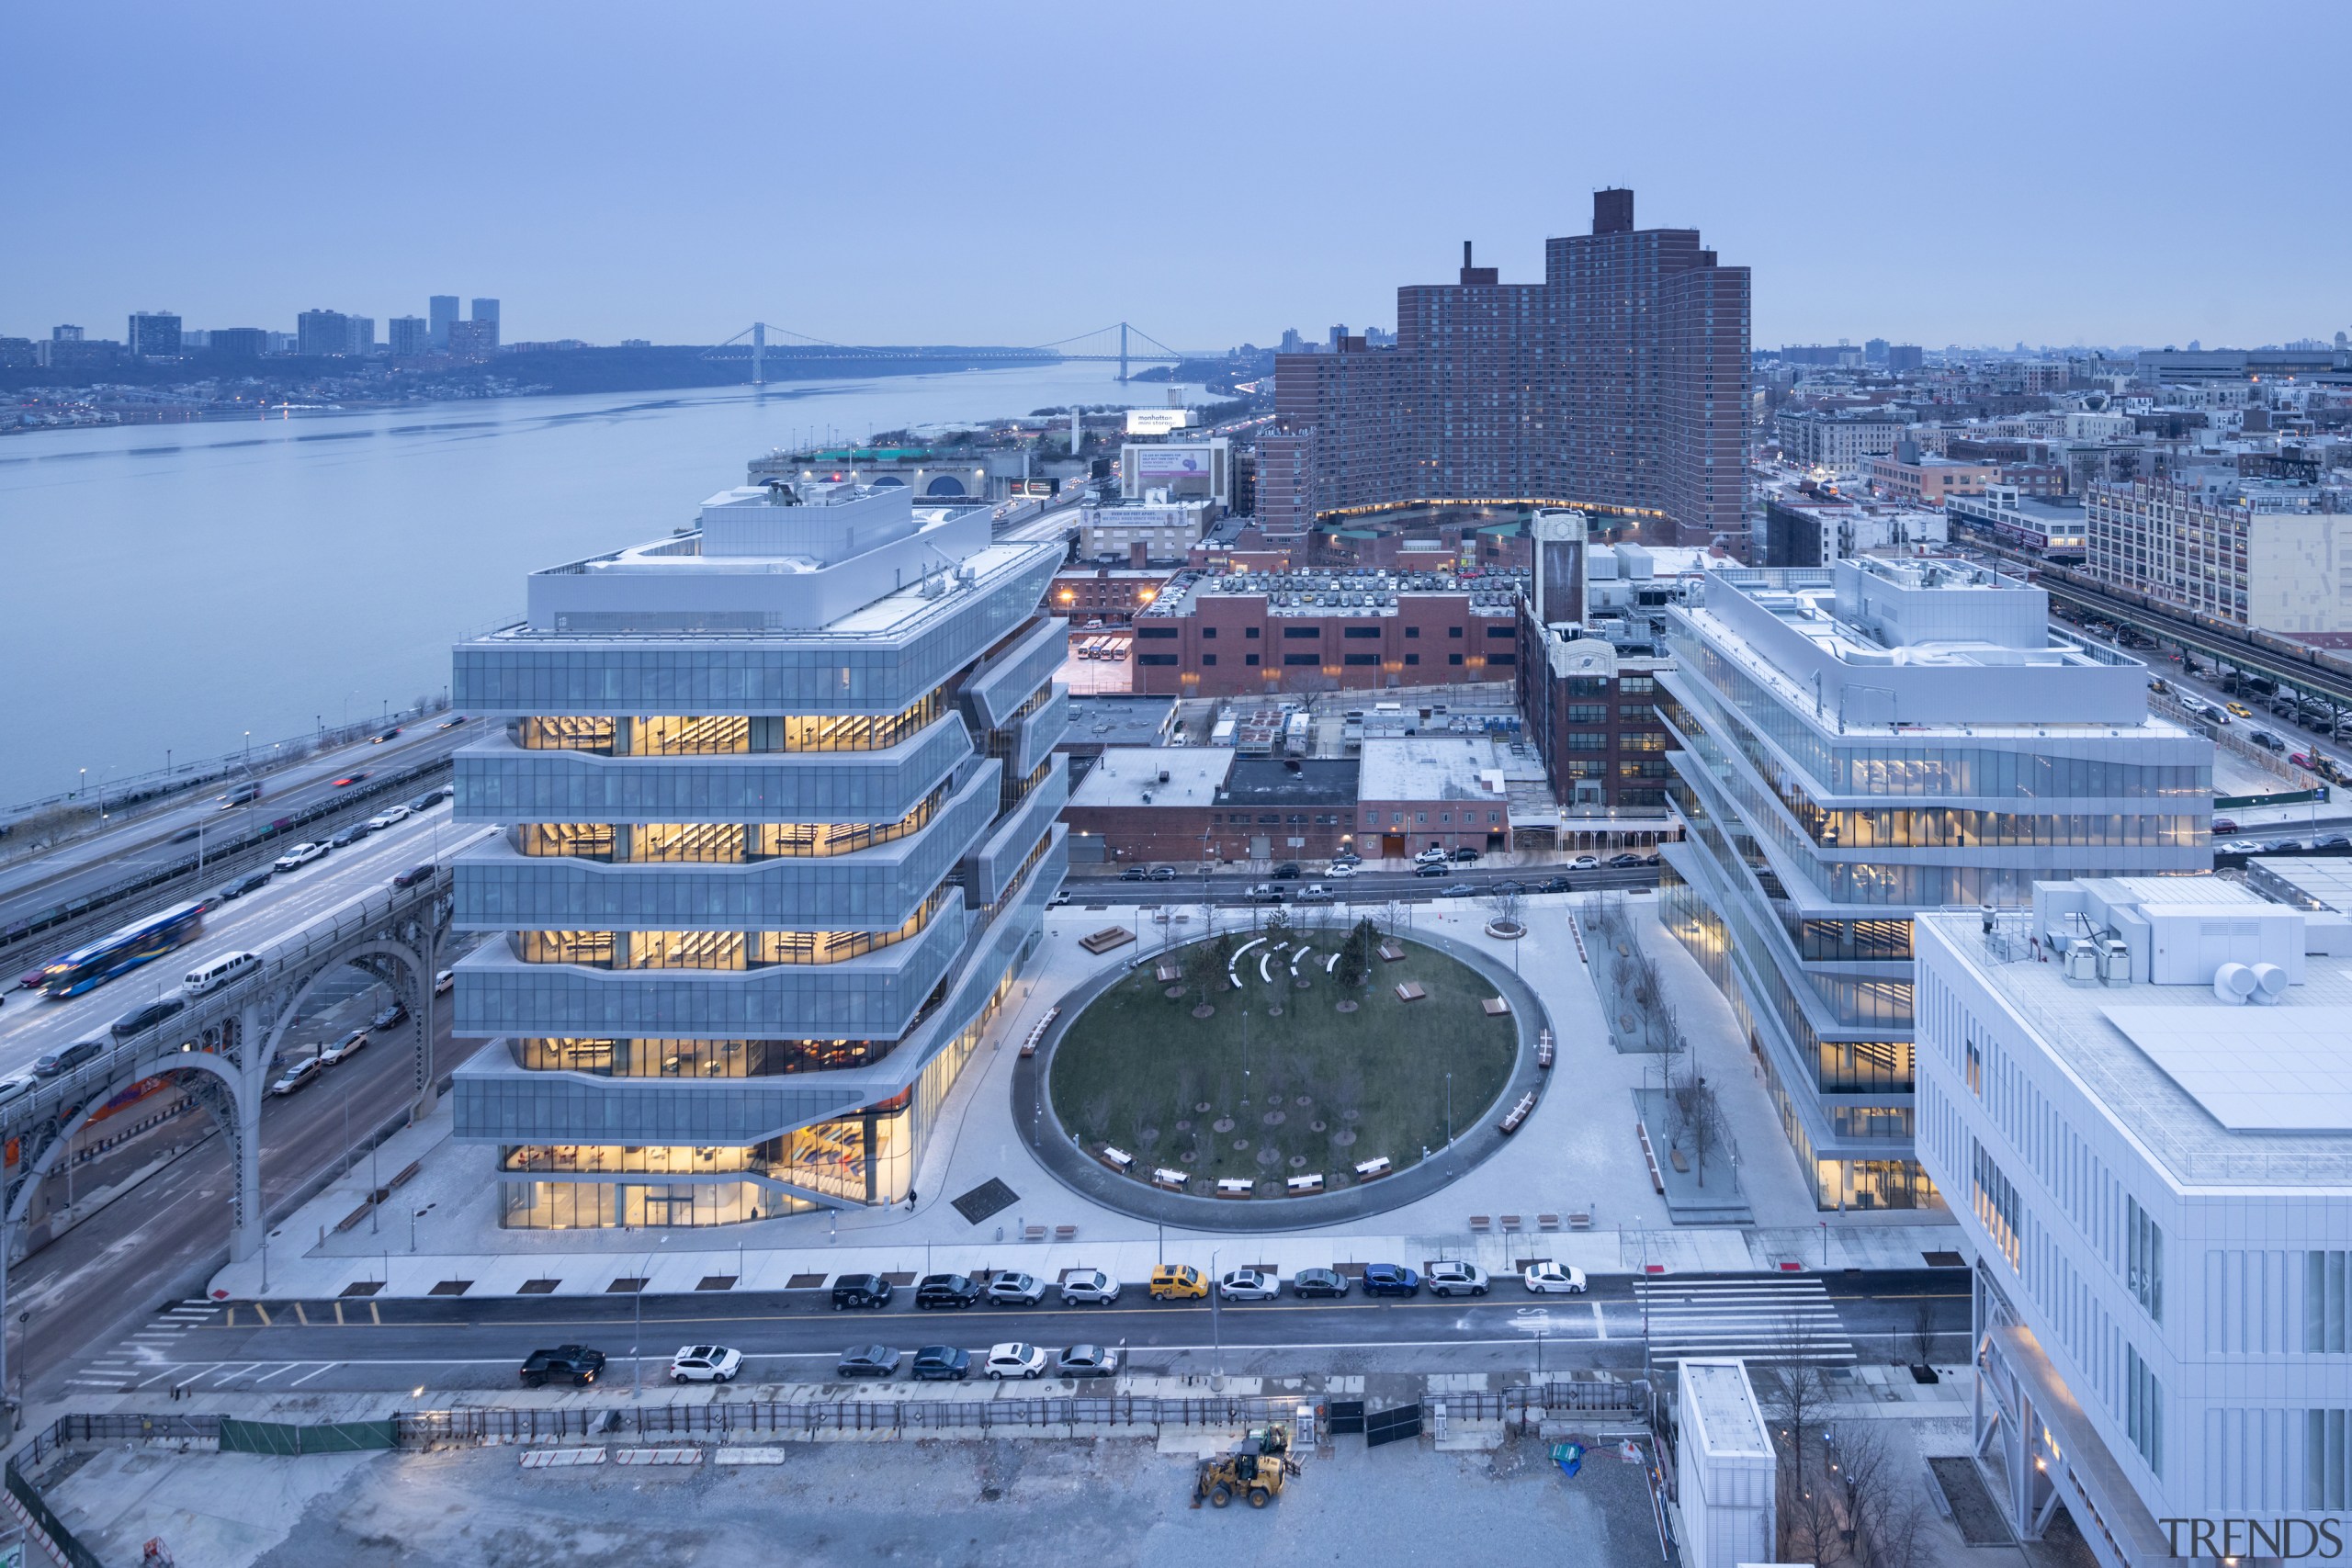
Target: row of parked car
[1182, 1281]
[582, 1365]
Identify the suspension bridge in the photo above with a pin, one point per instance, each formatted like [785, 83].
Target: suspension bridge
[1120, 343]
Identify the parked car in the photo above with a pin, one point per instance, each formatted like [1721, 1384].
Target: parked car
[1088, 1286]
[1338, 870]
[705, 1363]
[2331, 841]
[860, 1291]
[941, 1363]
[947, 1291]
[1318, 1282]
[565, 1364]
[1014, 1359]
[413, 875]
[1629, 860]
[1390, 1279]
[344, 1049]
[1248, 1285]
[1554, 1279]
[296, 1076]
[1432, 868]
[869, 1361]
[1430, 856]
[1585, 863]
[1178, 1283]
[1457, 1279]
[1465, 855]
[2224, 825]
[1087, 1361]
[1016, 1289]
[1133, 873]
[300, 856]
[146, 1017]
[71, 1057]
[1163, 874]
[387, 817]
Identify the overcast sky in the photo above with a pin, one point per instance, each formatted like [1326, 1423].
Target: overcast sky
[1010, 173]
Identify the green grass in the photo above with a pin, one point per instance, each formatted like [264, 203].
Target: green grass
[1136, 1063]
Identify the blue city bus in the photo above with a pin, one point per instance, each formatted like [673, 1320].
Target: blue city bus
[127, 949]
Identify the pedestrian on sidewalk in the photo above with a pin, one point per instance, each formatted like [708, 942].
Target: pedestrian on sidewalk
[910, 1200]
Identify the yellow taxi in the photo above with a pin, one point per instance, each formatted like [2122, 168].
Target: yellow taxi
[1178, 1283]
[2240, 709]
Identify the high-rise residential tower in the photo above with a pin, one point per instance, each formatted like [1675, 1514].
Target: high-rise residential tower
[777, 802]
[1618, 383]
[154, 335]
[441, 310]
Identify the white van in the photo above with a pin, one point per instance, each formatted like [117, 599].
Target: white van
[214, 973]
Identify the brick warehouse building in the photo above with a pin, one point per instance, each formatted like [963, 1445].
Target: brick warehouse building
[1245, 633]
[1619, 381]
[1181, 804]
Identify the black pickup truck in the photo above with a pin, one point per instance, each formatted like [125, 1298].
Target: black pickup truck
[565, 1364]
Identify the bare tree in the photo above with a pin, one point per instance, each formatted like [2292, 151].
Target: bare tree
[1923, 1332]
[1700, 1119]
[1504, 906]
[49, 824]
[1798, 1399]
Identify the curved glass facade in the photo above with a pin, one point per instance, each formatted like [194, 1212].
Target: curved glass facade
[807, 856]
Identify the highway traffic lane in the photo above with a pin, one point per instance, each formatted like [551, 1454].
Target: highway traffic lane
[31, 1025]
[109, 1275]
[71, 869]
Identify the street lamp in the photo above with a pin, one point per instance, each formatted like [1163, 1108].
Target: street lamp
[1217, 1334]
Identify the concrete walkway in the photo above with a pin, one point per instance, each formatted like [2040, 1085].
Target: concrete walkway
[1576, 1152]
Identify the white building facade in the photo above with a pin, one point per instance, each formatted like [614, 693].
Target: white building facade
[2138, 1100]
[1853, 746]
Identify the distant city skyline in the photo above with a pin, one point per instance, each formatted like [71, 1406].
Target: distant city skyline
[614, 190]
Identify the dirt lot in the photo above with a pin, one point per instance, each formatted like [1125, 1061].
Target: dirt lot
[954, 1503]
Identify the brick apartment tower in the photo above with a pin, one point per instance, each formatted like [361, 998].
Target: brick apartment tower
[1621, 381]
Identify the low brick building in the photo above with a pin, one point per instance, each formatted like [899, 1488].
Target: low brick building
[1181, 804]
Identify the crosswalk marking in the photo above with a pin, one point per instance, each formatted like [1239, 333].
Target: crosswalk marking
[1764, 1319]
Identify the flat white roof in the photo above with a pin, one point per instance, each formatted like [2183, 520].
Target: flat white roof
[1127, 773]
[1730, 1424]
[2254, 1070]
[1443, 767]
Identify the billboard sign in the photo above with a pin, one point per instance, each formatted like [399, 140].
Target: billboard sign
[1164, 465]
[1157, 421]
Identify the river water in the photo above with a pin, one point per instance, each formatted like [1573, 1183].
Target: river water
[172, 587]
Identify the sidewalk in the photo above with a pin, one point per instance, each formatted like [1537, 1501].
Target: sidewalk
[1577, 1152]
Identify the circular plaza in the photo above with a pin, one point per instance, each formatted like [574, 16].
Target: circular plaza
[1281, 1076]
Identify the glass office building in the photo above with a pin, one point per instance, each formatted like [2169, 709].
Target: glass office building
[1858, 743]
[777, 802]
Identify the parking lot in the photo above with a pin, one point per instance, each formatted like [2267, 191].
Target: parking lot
[984, 1501]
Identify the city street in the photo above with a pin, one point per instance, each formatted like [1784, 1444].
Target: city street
[111, 1274]
[1368, 886]
[795, 1337]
